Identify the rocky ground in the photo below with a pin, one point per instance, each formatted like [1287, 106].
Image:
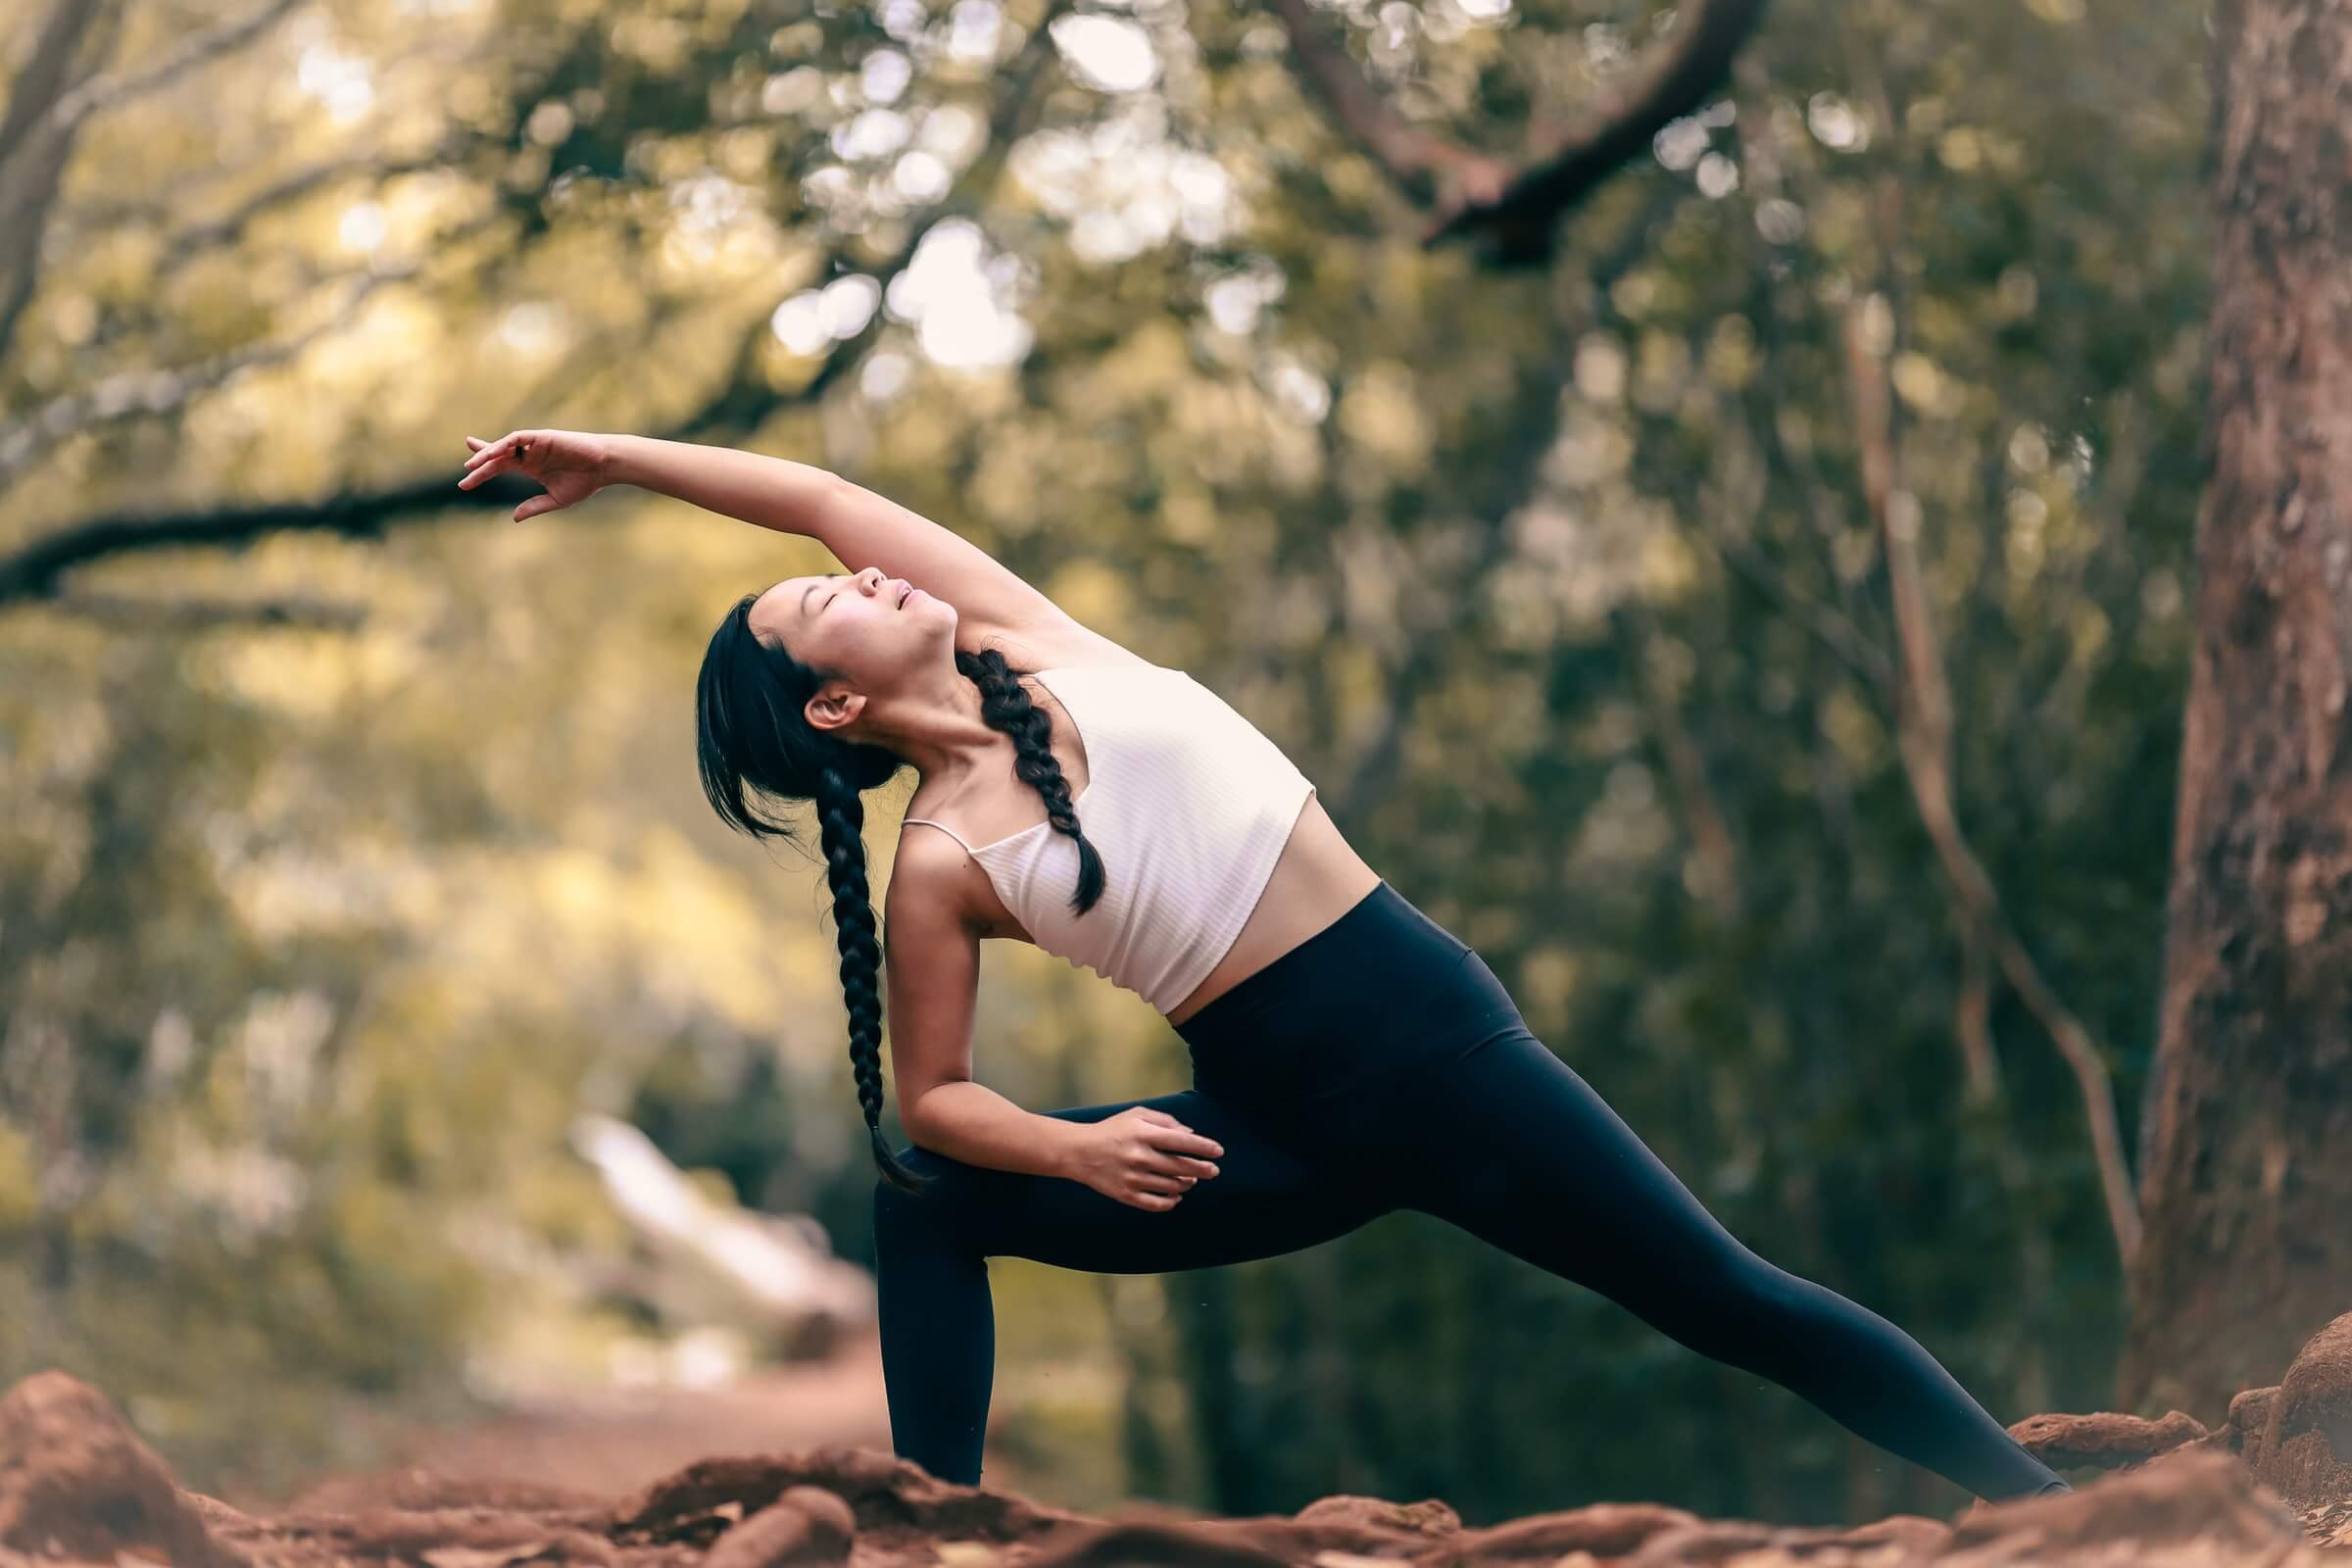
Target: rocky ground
[2272, 1486]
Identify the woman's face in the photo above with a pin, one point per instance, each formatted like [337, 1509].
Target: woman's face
[871, 627]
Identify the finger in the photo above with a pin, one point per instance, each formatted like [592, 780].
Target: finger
[1168, 1166]
[1183, 1141]
[1153, 1201]
[1156, 1116]
[1161, 1184]
[498, 448]
[474, 443]
[486, 471]
[534, 505]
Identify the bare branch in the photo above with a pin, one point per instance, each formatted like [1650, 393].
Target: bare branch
[741, 403]
[47, 74]
[107, 91]
[1674, 79]
[1516, 210]
[144, 393]
[1924, 711]
[230, 226]
[137, 613]
[1922, 731]
[33, 151]
[45, 115]
[1426, 168]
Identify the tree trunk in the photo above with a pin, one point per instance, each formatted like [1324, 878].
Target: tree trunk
[2247, 1175]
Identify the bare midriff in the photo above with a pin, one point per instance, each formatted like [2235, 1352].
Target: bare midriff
[1318, 879]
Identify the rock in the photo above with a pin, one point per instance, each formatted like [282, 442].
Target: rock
[75, 1480]
[2104, 1439]
[1606, 1530]
[1428, 1517]
[807, 1525]
[1133, 1543]
[882, 1492]
[2305, 1453]
[2249, 1414]
[2189, 1506]
[1883, 1544]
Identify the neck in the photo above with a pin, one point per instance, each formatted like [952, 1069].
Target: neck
[938, 729]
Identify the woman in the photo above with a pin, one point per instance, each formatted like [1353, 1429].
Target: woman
[1351, 1056]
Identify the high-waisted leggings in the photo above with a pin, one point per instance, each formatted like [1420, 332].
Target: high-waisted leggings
[1380, 1065]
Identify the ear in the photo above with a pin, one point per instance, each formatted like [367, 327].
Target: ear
[834, 705]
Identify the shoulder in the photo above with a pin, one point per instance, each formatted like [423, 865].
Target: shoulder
[929, 892]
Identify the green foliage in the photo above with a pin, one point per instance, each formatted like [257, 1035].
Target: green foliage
[314, 941]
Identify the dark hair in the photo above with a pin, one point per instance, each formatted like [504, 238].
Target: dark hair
[752, 734]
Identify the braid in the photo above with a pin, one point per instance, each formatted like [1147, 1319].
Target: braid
[1005, 704]
[840, 815]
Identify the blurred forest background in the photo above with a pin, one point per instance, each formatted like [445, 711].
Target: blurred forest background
[343, 870]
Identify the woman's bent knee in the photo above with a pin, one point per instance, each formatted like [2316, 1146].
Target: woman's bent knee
[935, 1208]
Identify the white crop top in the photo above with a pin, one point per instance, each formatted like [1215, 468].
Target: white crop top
[1189, 806]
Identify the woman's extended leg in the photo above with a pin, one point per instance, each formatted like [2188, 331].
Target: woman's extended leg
[938, 1323]
[1518, 1150]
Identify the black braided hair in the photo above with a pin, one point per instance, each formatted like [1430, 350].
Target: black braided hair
[1006, 706]
[753, 735]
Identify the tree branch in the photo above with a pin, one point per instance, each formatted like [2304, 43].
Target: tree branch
[136, 393]
[741, 403]
[138, 613]
[106, 91]
[33, 151]
[1426, 168]
[230, 227]
[1922, 731]
[1466, 192]
[1924, 711]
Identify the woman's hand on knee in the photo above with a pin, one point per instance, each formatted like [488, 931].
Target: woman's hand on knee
[1144, 1158]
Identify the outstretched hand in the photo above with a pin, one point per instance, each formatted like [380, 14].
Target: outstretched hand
[569, 464]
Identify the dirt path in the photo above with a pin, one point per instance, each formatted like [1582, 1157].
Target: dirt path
[611, 1440]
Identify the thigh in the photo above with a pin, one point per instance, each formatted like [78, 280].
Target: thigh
[1270, 1196]
[1521, 1151]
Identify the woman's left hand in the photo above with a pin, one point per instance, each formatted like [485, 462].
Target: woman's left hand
[571, 464]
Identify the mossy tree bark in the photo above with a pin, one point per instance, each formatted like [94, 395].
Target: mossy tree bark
[2246, 1178]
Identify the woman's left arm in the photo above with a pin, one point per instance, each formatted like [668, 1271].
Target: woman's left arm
[861, 529]
[772, 492]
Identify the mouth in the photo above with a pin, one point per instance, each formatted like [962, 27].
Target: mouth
[911, 590]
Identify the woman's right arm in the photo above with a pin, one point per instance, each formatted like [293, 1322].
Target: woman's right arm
[931, 970]
[931, 965]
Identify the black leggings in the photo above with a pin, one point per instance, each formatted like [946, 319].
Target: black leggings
[1381, 1065]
